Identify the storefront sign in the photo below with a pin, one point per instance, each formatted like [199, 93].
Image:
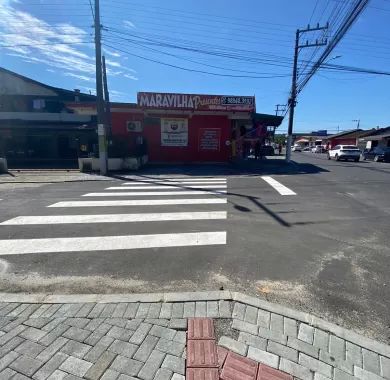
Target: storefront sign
[196, 102]
[209, 139]
[174, 132]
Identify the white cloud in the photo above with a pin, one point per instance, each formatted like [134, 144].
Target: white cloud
[130, 76]
[81, 77]
[128, 24]
[112, 53]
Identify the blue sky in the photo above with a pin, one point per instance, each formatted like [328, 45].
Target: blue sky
[50, 41]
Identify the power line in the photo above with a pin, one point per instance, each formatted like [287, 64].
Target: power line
[46, 44]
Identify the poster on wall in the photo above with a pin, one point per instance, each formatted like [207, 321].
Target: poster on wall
[209, 139]
[174, 132]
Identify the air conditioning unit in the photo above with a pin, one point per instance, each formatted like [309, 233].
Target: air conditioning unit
[134, 126]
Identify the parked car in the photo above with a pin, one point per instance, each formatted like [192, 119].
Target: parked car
[377, 154]
[344, 152]
[267, 150]
[318, 149]
[306, 149]
[297, 148]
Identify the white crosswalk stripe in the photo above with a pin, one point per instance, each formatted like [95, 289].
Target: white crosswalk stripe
[164, 193]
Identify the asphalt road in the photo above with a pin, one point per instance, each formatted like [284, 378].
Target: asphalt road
[324, 249]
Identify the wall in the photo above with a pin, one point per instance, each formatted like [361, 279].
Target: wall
[342, 141]
[190, 153]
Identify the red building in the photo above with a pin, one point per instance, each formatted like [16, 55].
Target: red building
[186, 127]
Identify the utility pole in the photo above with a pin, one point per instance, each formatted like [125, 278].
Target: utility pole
[293, 96]
[358, 123]
[280, 108]
[106, 99]
[99, 94]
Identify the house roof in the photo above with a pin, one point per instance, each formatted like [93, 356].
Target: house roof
[351, 134]
[269, 120]
[377, 134]
[59, 91]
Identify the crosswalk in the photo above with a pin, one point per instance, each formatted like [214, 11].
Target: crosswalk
[183, 204]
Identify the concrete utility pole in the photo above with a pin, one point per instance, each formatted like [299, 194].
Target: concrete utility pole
[293, 97]
[99, 94]
[106, 99]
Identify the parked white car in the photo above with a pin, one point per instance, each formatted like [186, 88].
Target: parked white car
[344, 152]
[296, 148]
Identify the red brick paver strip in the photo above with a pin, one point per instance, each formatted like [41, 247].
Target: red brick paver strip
[201, 328]
[202, 374]
[202, 353]
[238, 367]
[222, 353]
[268, 373]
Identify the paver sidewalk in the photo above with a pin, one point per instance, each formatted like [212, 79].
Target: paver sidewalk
[220, 336]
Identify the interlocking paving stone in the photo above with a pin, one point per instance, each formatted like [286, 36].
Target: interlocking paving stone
[315, 365]
[125, 365]
[159, 322]
[321, 339]
[50, 366]
[306, 333]
[303, 347]
[180, 337]
[174, 363]
[54, 323]
[53, 335]
[108, 310]
[7, 374]
[14, 323]
[363, 374]
[200, 328]
[295, 369]
[341, 375]
[76, 333]
[268, 373]
[222, 354]
[354, 354]
[162, 332]
[131, 310]
[199, 374]
[151, 366]
[29, 348]
[126, 377]
[251, 314]
[37, 322]
[75, 366]
[233, 345]
[337, 347]
[178, 324]
[146, 348]
[119, 310]
[290, 327]
[154, 310]
[244, 326]
[201, 353]
[177, 310]
[9, 335]
[263, 318]
[252, 340]
[143, 310]
[224, 309]
[238, 367]
[96, 311]
[57, 375]
[75, 348]
[140, 333]
[336, 362]
[170, 347]
[163, 374]
[110, 375]
[85, 310]
[166, 310]
[212, 309]
[385, 367]
[264, 357]
[118, 322]
[7, 359]
[95, 353]
[10, 345]
[371, 361]
[77, 322]
[133, 324]
[318, 376]
[283, 351]
[123, 348]
[94, 338]
[19, 376]
[276, 323]
[274, 335]
[50, 311]
[25, 365]
[189, 310]
[120, 333]
[200, 309]
[97, 370]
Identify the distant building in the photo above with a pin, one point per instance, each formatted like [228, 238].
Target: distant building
[377, 137]
[351, 137]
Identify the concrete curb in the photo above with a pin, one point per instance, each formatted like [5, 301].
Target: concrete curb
[310, 319]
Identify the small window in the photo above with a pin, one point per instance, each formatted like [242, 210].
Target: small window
[38, 104]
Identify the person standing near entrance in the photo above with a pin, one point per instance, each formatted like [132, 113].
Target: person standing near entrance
[280, 147]
[257, 149]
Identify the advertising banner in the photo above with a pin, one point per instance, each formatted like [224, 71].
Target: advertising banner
[209, 139]
[174, 132]
[196, 102]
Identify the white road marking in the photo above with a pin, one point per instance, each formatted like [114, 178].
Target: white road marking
[114, 218]
[140, 202]
[175, 183]
[280, 188]
[110, 243]
[154, 193]
[165, 187]
[198, 179]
